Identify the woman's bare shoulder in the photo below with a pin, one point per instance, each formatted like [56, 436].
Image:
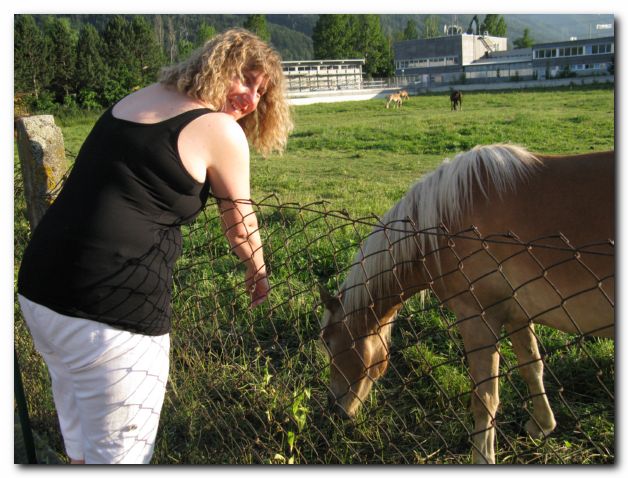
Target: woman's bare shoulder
[153, 104]
[222, 128]
[213, 139]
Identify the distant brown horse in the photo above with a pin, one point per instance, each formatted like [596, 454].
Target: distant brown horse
[456, 100]
[555, 268]
[395, 99]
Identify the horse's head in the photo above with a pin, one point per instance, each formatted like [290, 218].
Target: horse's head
[357, 345]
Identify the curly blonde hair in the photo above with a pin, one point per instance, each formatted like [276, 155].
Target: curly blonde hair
[207, 74]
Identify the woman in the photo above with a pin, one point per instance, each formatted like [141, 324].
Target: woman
[95, 281]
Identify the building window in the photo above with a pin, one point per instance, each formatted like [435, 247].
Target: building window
[550, 53]
[601, 49]
[426, 62]
[571, 51]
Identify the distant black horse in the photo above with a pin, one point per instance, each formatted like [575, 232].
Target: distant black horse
[456, 100]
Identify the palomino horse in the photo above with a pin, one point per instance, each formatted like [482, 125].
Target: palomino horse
[555, 268]
[395, 99]
[403, 94]
[456, 100]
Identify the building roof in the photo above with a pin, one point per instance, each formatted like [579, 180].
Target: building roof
[323, 62]
[518, 55]
[583, 41]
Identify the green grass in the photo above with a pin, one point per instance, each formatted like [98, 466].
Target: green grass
[250, 386]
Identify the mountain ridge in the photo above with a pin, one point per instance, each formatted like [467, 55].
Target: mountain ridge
[291, 34]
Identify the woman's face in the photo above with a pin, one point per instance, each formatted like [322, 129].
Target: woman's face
[244, 95]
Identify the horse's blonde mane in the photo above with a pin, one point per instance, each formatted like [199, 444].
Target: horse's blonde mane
[442, 197]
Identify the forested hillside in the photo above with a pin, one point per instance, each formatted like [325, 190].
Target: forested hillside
[89, 61]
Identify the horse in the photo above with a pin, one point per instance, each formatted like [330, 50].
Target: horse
[403, 94]
[456, 100]
[504, 238]
[395, 99]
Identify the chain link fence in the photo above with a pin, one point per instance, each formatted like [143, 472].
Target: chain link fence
[252, 385]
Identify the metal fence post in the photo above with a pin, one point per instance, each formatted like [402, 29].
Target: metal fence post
[22, 409]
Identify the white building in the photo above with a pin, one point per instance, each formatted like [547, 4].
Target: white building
[315, 75]
[469, 58]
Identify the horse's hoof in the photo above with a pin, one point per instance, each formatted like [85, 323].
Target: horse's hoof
[535, 431]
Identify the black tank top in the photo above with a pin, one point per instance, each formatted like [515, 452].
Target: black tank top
[106, 248]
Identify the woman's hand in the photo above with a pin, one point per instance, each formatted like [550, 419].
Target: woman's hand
[258, 287]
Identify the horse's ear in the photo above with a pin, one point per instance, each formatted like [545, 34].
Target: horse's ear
[332, 303]
[390, 316]
[382, 326]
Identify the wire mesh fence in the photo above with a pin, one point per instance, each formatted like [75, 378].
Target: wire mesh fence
[253, 385]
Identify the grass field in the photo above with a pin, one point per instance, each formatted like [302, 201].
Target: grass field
[249, 386]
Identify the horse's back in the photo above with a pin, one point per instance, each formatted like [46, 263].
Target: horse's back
[572, 195]
[557, 266]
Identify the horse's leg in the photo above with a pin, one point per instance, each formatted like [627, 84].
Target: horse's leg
[483, 367]
[525, 345]
[480, 343]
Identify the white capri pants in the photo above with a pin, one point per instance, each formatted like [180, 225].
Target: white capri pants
[108, 384]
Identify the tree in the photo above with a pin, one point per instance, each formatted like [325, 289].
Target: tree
[495, 25]
[330, 36]
[411, 32]
[257, 24]
[525, 41]
[158, 28]
[368, 41]
[146, 51]
[353, 36]
[91, 71]
[29, 56]
[431, 26]
[122, 65]
[205, 33]
[172, 41]
[184, 48]
[61, 43]
[502, 28]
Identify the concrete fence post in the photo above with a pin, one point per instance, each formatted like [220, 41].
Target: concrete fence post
[42, 158]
